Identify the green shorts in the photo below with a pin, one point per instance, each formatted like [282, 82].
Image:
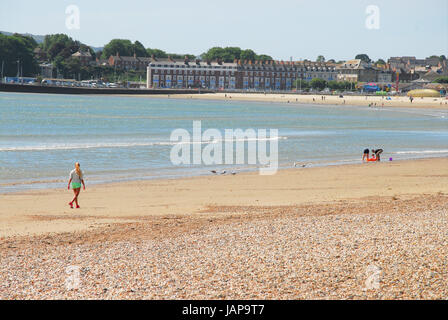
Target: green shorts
[76, 185]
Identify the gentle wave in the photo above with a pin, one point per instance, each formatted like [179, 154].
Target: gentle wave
[30, 182]
[126, 144]
[421, 152]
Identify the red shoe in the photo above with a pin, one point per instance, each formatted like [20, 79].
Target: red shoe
[77, 207]
[70, 204]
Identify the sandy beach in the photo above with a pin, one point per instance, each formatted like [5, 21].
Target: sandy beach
[308, 233]
[355, 100]
[211, 157]
[42, 211]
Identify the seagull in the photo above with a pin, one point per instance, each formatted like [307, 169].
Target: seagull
[233, 173]
[223, 172]
[302, 165]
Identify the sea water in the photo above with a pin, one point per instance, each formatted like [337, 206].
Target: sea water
[117, 138]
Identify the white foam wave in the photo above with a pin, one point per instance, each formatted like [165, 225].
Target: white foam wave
[421, 152]
[66, 146]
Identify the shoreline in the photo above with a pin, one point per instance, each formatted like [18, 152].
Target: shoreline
[293, 99]
[358, 100]
[45, 210]
[30, 186]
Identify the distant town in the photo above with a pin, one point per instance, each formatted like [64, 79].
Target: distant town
[61, 61]
[406, 73]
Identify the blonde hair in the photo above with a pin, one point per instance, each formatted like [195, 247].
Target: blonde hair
[78, 170]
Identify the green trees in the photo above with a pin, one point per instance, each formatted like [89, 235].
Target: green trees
[441, 80]
[157, 53]
[301, 84]
[318, 83]
[248, 54]
[229, 54]
[62, 45]
[320, 58]
[216, 53]
[54, 43]
[139, 49]
[363, 57]
[17, 48]
[59, 49]
[340, 85]
[163, 55]
[71, 68]
[182, 56]
[121, 46]
[263, 57]
[127, 48]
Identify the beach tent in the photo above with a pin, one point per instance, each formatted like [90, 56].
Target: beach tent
[424, 93]
[371, 87]
[441, 87]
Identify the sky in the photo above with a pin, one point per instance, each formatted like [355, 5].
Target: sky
[301, 29]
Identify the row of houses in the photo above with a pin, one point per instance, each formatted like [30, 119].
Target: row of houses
[273, 75]
[409, 63]
[258, 75]
[129, 62]
[239, 74]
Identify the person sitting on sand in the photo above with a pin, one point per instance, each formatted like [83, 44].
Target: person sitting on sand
[76, 178]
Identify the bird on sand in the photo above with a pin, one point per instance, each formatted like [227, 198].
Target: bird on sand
[303, 165]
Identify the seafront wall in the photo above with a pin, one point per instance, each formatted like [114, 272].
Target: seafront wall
[6, 87]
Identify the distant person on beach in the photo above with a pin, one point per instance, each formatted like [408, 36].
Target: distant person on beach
[377, 153]
[76, 179]
[365, 155]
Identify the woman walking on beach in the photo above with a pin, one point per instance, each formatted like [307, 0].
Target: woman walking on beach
[76, 178]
